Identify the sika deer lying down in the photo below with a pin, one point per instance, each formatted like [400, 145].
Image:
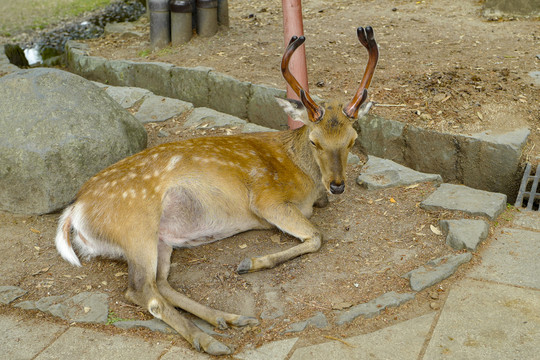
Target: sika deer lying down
[205, 189]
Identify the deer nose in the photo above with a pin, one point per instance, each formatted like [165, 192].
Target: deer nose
[337, 189]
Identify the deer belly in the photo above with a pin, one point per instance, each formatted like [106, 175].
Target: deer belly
[189, 218]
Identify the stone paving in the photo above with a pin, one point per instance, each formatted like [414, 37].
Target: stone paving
[493, 313]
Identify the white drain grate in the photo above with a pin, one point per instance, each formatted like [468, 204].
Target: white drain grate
[529, 196]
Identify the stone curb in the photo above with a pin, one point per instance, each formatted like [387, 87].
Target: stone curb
[484, 161]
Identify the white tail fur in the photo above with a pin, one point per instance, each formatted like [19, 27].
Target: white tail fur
[63, 244]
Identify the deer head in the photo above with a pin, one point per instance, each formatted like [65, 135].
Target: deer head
[331, 134]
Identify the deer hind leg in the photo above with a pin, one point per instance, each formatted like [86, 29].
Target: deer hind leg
[215, 317]
[143, 290]
[289, 219]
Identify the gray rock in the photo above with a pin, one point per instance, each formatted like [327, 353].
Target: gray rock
[381, 173]
[464, 233]
[436, 270]
[535, 75]
[373, 307]
[85, 307]
[8, 294]
[353, 159]
[208, 118]
[318, 320]
[58, 129]
[126, 96]
[158, 108]
[163, 133]
[466, 199]
[154, 325]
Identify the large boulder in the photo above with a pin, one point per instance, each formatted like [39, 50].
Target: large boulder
[57, 130]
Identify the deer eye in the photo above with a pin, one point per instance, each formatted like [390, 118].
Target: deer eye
[312, 143]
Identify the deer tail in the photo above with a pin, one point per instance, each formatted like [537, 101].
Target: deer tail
[63, 242]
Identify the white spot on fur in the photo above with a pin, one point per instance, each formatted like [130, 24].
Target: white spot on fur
[156, 173]
[146, 177]
[124, 195]
[155, 156]
[172, 163]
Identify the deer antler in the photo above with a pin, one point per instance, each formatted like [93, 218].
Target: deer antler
[367, 39]
[315, 112]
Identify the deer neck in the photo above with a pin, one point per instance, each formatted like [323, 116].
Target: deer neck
[297, 145]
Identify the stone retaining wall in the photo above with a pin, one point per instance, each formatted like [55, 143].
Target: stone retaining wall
[484, 161]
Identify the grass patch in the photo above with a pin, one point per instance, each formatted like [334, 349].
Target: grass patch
[17, 16]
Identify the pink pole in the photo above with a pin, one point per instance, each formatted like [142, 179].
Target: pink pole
[292, 25]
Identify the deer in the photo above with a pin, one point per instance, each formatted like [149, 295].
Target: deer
[197, 191]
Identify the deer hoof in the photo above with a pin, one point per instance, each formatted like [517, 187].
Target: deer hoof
[245, 266]
[210, 345]
[217, 348]
[222, 324]
[245, 321]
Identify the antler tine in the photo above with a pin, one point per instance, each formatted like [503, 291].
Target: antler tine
[315, 111]
[366, 38]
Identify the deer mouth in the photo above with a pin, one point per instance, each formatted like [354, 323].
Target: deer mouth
[337, 188]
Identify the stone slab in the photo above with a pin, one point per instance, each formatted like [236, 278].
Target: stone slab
[511, 258]
[403, 341]
[276, 350]
[380, 173]
[464, 233]
[318, 320]
[185, 353]
[126, 96]
[205, 117]
[87, 307]
[158, 108]
[528, 219]
[487, 321]
[466, 199]
[373, 307]
[9, 294]
[78, 343]
[436, 270]
[24, 340]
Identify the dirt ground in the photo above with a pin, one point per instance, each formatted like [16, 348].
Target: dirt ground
[441, 65]
[372, 238]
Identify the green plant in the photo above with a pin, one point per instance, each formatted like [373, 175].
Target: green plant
[113, 318]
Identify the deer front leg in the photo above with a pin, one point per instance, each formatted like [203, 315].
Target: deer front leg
[289, 219]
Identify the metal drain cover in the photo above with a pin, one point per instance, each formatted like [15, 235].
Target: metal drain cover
[529, 196]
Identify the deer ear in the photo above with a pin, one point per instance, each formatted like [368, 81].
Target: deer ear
[295, 109]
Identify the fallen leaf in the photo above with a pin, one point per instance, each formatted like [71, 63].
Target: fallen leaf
[118, 274]
[392, 200]
[412, 186]
[87, 309]
[41, 271]
[104, 283]
[37, 248]
[35, 231]
[243, 246]
[435, 230]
